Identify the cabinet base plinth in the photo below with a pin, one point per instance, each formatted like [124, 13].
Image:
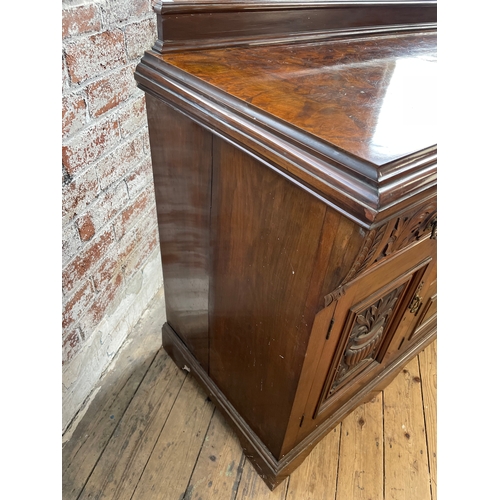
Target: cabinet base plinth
[271, 470]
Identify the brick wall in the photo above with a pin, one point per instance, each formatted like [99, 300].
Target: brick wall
[110, 248]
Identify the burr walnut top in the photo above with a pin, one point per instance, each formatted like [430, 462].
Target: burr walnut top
[370, 97]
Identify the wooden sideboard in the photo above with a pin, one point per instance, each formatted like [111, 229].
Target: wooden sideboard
[294, 161]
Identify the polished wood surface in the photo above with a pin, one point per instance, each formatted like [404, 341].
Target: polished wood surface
[324, 114]
[369, 97]
[182, 177]
[296, 194]
[264, 258]
[189, 25]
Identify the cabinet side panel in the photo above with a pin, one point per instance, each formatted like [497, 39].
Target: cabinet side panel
[267, 236]
[181, 153]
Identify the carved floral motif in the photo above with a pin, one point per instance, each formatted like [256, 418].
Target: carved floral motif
[389, 239]
[409, 228]
[366, 335]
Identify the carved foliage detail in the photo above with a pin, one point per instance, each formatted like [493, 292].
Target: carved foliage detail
[363, 260]
[367, 253]
[366, 335]
[388, 239]
[409, 228]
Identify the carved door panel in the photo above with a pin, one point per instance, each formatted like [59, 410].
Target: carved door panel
[420, 315]
[364, 322]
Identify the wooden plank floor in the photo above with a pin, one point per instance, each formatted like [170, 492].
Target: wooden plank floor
[151, 433]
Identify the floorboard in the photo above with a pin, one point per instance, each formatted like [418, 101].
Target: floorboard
[252, 487]
[428, 373]
[174, 456]
[218, 470]
[84, 443]
[316, 478]
[405, 445]
[120, 467]
[361, 456]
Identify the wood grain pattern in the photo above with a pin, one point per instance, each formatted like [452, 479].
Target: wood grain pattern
[252, 487]
[362, 292]
[182, 154]
[316, 478]
[191, 25]
[287, 169]
[171, 463]
[317, 123]
[361, 466]
[406, 462]
[219, 466]
[371, 98]
[120, 466]
[81, 453]
[428, 373]
[267, 232]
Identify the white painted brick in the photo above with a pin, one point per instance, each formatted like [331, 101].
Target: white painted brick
[71, 243]
[82, 373]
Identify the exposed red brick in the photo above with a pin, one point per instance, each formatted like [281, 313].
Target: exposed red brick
[148, 243]
[108, 205]
[71, 243]
[86, 228]
[147, 144]
[78, 194]
[140, 37]
[140, 177]
[73, 114]
[82, 264]
[65, 76]
[133, 117]
[71, 345]
[134, 212]
[94, 54]
[76, 305]
[106, 161]
[118, 163]
[135, 240]
[80, 20]
[101, 305]
[108, 92]
[89, 144]
[106, 269]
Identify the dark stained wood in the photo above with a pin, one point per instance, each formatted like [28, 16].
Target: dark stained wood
[267, 239]
[296, 193]
[191, 25]
[358, 300]
[318, 105]
[273, 471]
[182, 176]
